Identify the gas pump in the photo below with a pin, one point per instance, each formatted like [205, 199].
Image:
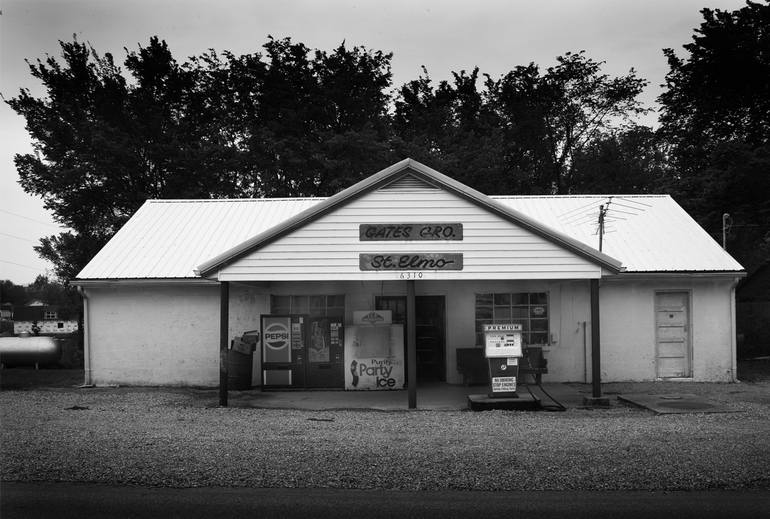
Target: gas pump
[503, 350]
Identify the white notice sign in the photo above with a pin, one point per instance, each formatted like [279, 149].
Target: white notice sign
[503, 384]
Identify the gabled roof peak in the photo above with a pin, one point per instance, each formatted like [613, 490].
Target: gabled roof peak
[412, 172]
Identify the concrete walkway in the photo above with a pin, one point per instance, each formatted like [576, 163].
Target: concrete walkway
[430, 397]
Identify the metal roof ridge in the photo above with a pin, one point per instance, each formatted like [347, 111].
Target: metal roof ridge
[230, 200]
[588, 195]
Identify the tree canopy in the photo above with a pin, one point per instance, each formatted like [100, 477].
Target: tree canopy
[715, 119]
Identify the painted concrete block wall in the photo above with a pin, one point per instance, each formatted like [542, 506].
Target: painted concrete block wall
[169, 334]
[628, 328]
[154, 335]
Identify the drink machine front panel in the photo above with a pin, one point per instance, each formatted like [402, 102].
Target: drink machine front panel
[325, 353]
[283, 350]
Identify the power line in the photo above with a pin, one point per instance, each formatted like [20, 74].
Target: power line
[31, 219]
[21, 265]
[17, 237]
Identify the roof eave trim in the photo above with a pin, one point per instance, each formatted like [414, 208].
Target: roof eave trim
[142, 281]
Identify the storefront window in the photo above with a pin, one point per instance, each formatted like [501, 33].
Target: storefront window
[529, 309]
[314, 306]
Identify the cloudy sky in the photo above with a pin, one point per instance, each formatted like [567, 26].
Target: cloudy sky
[443, 35]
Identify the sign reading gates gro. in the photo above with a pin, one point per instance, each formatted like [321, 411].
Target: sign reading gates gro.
[411, 261]
[410, 231]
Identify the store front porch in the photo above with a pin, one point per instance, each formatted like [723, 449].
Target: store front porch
[435, 396]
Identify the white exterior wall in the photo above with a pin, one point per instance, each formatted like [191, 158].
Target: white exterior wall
[328, 248]
[169, 335]
[628, 328]
[153, 335]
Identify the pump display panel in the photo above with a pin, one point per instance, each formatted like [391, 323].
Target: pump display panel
[502, 340]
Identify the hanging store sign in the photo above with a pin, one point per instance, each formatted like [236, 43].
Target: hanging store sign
[411, 261]
[410, 231]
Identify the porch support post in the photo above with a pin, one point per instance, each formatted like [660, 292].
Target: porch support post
[596, 361]
[224, 325]
[411, 345]
[596, 400]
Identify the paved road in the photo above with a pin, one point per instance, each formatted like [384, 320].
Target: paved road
[82, 501]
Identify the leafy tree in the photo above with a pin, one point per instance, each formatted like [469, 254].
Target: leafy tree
[311, 123]
[452, 128]
[630, 162]
[106, 140]
[521, 133]
[11, 293]
[716, 115]
[102, 145]
[550, 117]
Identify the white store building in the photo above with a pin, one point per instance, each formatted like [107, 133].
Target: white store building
[184, 278]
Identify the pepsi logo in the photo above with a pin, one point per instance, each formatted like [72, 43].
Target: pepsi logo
[276, 336]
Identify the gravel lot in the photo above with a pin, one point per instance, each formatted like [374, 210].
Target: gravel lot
[170, 437]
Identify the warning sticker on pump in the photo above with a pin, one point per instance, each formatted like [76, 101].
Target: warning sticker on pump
[503, 384]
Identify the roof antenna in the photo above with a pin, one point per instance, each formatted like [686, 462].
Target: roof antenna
[603, 209]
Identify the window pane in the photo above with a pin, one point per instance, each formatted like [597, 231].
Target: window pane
[502, 313]
[520, 312]
[336, 301]
[484, 299]
[317, 305]
[299, 304]
[279, 305]
[538, 311]
[540, 298]
[521, 298]
[503, 299]
[538, 338]
[483, 312]
[539, 325]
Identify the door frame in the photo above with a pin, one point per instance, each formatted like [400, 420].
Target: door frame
[442, 368]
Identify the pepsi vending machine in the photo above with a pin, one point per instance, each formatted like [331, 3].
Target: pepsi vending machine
[299, 352]
[283, 351]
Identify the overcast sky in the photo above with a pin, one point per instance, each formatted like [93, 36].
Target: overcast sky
[443, 35]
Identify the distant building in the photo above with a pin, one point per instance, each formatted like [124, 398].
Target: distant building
[6, 311]
[44, 320]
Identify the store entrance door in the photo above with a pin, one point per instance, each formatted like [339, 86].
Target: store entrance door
[430, 317]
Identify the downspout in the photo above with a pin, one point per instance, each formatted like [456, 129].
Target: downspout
[87, 382]
[733, 334]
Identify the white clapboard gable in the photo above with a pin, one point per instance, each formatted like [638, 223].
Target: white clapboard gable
[329, 247]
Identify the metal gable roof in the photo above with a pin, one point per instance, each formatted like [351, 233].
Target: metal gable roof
[172, 239]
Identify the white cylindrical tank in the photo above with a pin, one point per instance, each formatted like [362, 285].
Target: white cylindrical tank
[29, 350]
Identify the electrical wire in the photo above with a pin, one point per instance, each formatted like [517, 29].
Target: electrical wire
[557, 407]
